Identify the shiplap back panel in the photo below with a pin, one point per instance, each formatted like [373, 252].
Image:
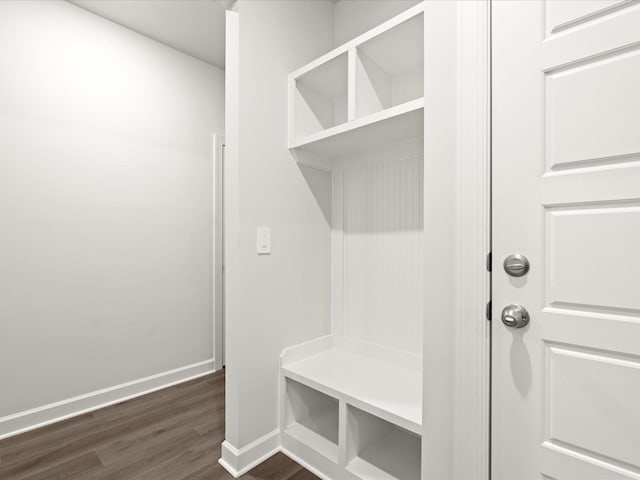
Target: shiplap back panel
[383, 225]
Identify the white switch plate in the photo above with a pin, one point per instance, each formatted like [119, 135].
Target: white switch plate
[263, 241]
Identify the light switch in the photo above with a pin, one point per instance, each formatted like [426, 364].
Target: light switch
[263, 241]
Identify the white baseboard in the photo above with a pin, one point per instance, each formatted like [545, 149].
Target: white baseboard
[217, 365]
[41, 416]
[306, 465]
[239, 461]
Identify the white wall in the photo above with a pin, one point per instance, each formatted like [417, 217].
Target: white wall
[353, 17]
[273, 301]
[105, 205]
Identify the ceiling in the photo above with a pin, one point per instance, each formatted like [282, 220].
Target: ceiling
[195, 27]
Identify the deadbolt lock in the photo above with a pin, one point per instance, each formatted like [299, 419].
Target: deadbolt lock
[516, 265]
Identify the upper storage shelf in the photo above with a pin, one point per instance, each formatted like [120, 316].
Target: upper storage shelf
[365, 93]
[321, 97]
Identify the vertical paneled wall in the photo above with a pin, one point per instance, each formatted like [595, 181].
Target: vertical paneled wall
[382, 250]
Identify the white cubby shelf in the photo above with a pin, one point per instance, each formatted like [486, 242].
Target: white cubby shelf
[379, 449]
[351, 402]
[312, 418]
[357, 405]
[365, 93]
[376, 384]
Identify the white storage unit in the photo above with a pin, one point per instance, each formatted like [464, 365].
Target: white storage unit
[320, 97]
[365, 93]
[387, 77]
[312, 418]
[379, 449]
[351, 402]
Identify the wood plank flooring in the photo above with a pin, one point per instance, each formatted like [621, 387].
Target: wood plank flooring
[172, 434]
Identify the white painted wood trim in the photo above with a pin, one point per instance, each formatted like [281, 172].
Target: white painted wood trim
[343, 433]
[350, 49]
[473, 233]
[306, 349]
[396, 111]
[474, 337]
[440, 209]
[351, 84]
[218, 250]
[457, 151]
[239, 461]
[308, 466]
[55, 412]
[231, 214]
[374, 32]
[369, 361]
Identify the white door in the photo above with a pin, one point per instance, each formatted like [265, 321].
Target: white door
[566, 194]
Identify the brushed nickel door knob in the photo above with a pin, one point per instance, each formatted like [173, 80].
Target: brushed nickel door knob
[515, 316]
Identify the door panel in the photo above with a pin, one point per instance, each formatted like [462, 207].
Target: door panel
[594, 96]
[563, 14]
[566, 193]
[575, 276]
[571, 396]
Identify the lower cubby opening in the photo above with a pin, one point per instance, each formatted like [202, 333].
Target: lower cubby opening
[312, 418]
[379, 449]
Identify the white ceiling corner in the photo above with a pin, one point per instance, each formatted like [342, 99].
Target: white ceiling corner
[195, 27]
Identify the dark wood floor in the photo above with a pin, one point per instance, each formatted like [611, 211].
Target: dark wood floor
[172, 434]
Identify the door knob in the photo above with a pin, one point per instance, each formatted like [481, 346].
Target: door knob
[515, 316]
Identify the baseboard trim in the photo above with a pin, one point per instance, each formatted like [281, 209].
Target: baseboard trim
[306, 465]
[239, 461]
[55, 412]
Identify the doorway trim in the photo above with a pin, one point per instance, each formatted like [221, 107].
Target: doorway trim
[457, 334]
[218, 251]
[472, 388]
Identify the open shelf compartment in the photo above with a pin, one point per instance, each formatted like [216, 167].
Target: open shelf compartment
[363, 94]
[320, 97]
[395, 124]
[312, 418]
[390, 68]
[379, 449]
[387, 389]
